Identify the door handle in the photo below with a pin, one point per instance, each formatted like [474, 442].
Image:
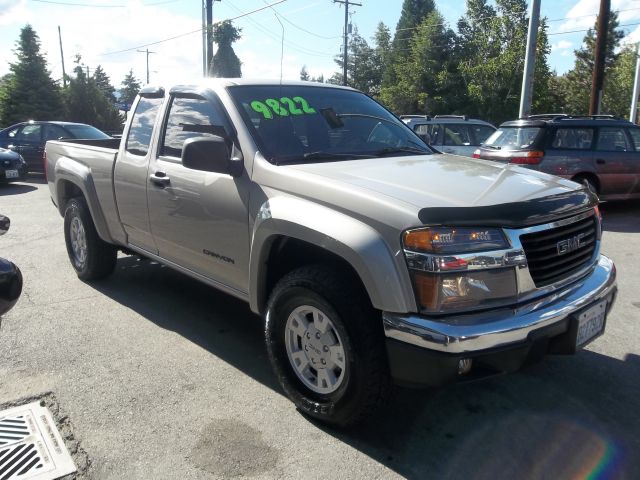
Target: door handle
[159, 178]
[600, 161]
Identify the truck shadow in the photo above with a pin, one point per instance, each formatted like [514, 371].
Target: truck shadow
[568, 417]
[621, 216]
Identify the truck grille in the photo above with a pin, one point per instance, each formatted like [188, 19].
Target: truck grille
[557, 253]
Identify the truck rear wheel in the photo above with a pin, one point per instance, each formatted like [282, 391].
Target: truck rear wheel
[91, 257]
[326, 346]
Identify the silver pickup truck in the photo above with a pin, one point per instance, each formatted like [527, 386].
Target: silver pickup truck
[371, 258]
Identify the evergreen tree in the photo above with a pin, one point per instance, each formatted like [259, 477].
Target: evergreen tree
[226, 63]
[413, 13]
[29, 92]
[422, 80]
[360, 65]
[86, 102]
[130, 88]
[304, 74]
[103, 82]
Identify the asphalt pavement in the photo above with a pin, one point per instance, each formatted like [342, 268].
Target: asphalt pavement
[155, 376]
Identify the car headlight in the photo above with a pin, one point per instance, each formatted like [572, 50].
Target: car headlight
[458, 269]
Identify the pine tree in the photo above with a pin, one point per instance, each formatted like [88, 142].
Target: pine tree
[226, 63]
[304, 74]
[130, 88]
[103, 82]
[86, 102]
[29, 92]
[413, 12]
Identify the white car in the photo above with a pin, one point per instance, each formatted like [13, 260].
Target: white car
[457, 134]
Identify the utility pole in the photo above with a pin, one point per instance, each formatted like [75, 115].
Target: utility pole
[64, 74]
[530, 61]
[210, 35]
[147, 52]
[636, 85]
[204, 39]
[345, 55]
[597, 80]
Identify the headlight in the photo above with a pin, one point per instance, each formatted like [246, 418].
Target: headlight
[454, 240]
[458, 269]
[451, 292]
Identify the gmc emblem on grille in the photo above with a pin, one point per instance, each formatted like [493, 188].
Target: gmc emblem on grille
[570, 244]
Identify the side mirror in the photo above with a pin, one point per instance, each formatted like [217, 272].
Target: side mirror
[4, 224]
[209, 154]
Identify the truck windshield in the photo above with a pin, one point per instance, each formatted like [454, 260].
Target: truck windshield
[307, 124]
[512, 138]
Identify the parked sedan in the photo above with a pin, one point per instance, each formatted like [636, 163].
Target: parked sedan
[12, 166]
[28, 138]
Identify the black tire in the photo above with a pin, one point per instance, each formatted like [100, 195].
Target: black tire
[366, 384]
[100, 257]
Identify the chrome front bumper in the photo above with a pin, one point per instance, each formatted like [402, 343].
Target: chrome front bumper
[483, 331]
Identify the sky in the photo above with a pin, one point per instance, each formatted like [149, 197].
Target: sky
[110, 33]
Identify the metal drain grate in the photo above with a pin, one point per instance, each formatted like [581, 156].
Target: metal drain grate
[31, 446]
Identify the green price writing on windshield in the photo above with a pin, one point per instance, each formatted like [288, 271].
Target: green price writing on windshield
[284, 107]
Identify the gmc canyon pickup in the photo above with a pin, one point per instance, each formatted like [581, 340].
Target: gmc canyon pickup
[372, 258]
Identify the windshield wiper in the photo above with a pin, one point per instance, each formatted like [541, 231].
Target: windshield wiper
[391, 150]
[492, 147]
[320, 155]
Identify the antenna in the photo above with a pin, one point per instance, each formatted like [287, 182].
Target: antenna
[281, 38]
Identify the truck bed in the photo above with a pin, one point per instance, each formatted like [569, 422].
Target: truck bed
[93, 160]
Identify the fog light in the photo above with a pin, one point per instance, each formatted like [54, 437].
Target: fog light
[464, 366]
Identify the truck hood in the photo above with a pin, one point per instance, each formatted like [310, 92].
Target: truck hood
[436, 184]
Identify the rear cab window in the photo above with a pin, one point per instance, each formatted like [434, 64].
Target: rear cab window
[144, 117]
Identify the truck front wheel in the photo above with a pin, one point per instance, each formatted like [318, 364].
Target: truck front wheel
[326, 346]
[91, 257]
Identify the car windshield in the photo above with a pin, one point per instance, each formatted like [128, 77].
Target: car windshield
[512, 138]
[307, 124]
[86, 132]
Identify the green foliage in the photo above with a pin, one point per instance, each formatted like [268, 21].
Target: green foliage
[130, 88]
[226, 63]
[103, 82]
[29, 92]
[413, 13]
[87, 102]
[304, 74]
[574, 88]
[492, 43]
[423, 73]
[619, 83]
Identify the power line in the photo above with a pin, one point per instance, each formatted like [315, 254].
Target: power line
[193, 31]
[275, 36]
[97, 5]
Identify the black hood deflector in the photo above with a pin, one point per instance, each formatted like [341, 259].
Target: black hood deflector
[512, 215]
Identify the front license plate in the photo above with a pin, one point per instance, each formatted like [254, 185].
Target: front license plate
[591, 323]
[11, 174]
